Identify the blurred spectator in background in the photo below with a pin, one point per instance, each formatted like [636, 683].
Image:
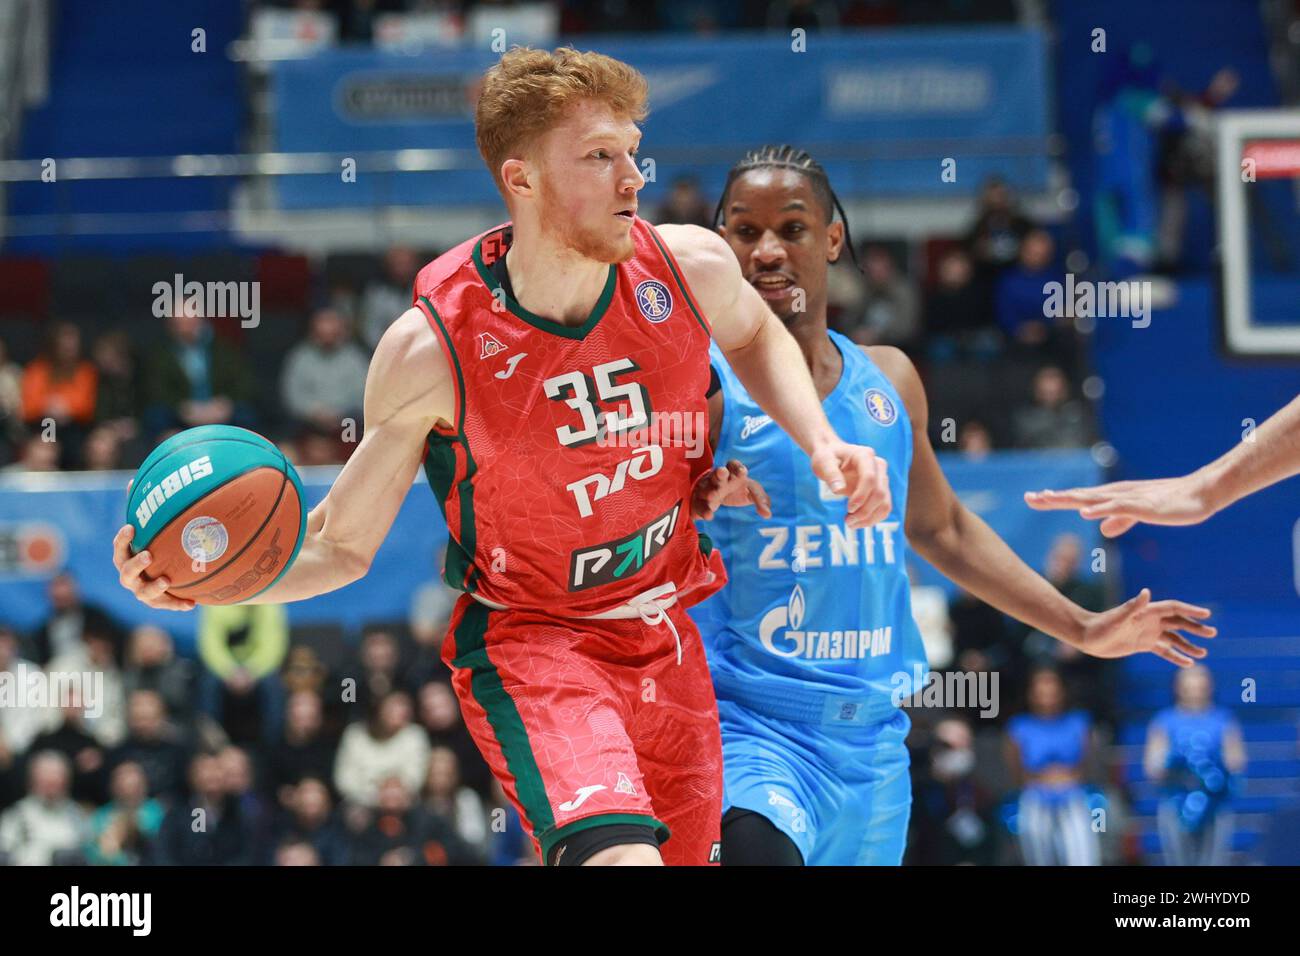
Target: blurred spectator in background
[122, 830]
[379, 661]
[102, 450]
[957, 319]
[442, 722]
[61, 384]
[889, 313]
[297, 853]
[430, 612]
[1021, 302]
[222, 840]
[974, 440]
[152, 664]
[314, 445]
[1186, 161]
[324, 378]
[460, 806]
[254, 810]
[810, 15]
[686, 204]
[305, 750]
[154, 745]
[1046, 750]
[1130, 110]
[401, 832]
[242, 647]
[96, 661]
[387, 297]
[35, 454]
[954, 817]
[1090, 681]
[386, 745]
[86, 756]
[70, 618]
[309, 817]
[195, 378]
[11, 399]
[117, 406]
[1194, 750]
[305, 671]
[979, 633]
[1054, 419]
[45, 823]
[994, 239]
[21, 720]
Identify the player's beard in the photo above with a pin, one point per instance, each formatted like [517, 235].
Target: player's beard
[590, 243]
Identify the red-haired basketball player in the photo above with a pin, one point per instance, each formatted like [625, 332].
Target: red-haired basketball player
[532, 356]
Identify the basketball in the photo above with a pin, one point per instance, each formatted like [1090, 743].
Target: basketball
[221, 510]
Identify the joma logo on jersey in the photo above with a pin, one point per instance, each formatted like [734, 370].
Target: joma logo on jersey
[782, 633]
[178, 479]
[847, 546]
[643, 464]
[615, 560]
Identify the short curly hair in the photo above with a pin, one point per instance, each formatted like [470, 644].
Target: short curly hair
[527, 91]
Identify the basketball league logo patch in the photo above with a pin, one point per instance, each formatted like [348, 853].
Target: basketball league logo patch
[654, 300]
[880, 406]
[205, 539]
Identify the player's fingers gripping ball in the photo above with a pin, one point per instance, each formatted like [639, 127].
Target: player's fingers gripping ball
[220, 510]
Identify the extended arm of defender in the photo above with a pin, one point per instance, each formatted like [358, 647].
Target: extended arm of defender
[965, 549]
[768, 362]
[408, 388]
[1271, 454]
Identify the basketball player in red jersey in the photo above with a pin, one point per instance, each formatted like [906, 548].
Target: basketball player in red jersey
[551, 380]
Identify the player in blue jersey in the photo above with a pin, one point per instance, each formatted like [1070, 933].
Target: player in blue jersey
[811, 644]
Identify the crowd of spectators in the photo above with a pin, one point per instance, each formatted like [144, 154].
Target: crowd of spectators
[973, 319]
[284, 759]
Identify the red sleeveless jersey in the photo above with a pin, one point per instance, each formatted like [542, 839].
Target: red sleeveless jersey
[566, 476]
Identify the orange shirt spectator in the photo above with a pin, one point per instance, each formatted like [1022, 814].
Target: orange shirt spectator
[60, 384]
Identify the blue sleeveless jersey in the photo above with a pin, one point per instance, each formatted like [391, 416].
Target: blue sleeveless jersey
[815, 622]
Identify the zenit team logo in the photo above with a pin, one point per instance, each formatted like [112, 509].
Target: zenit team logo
[880, 406]
[205, 539]
[654, 300]
[488, 345]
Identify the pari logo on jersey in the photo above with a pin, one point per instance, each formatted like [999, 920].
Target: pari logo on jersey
[880, 406]
[654, 300]
[589, 567]
[782, 633]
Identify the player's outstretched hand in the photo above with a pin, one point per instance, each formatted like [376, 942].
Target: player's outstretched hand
[131, 567]
[858, 473]
[1122, 504]
[729, 486]
[1140, 624]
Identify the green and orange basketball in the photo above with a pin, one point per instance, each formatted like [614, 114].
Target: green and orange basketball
[221, 511]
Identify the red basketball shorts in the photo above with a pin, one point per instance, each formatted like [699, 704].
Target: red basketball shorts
[590, 722]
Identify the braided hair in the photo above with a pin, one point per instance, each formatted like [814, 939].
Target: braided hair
[786, 156]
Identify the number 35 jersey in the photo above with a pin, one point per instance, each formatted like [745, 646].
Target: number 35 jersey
[565, 478]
